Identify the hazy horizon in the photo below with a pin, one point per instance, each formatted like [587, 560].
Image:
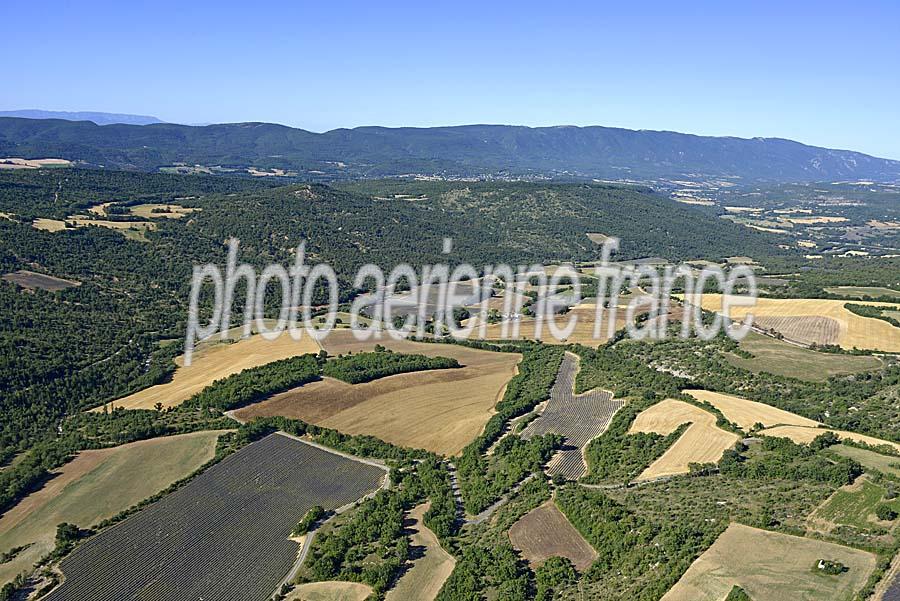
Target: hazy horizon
[824, 75]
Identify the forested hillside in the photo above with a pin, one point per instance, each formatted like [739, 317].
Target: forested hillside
[66, 350]
[469, 150]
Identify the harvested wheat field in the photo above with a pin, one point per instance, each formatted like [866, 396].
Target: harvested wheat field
[438, 410]
[747, 413]
[423, 581]
[807, 329]
[332, 590]
[16, 163]
[585, 315]
[803, 435]
[97, 485]
[546, 532]
[853, 330]
[702, 442]
[771, 566]
[165, 211]
[212, 361]
[48, 225]
[814, 220]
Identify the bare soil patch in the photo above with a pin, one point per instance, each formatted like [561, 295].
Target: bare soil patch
[31, 281]
[546, 532]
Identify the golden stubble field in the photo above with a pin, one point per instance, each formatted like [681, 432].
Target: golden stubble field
[423, 581]
[702, 442]
[746, 413]
[214, 360]
[778, 423]
[438, 410]
[771, 566]
[96, 485]
[852, 330]
[330, 590]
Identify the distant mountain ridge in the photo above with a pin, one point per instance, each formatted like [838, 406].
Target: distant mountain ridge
[96, 117]
[463, 151]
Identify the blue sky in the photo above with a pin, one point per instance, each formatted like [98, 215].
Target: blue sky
[824, 73]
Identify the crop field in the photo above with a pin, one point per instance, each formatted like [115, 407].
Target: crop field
[584, 313]
[48, 225]
[438, 410]
[802, 435]
[870, 460]
[579, 418]
[97, 485]
[156, 211]
[702, 442]
[224, 535]
[130, 229]
[806, 329]
[31, 281]
[814, 220]
[330, 591]
[424, 580]
[546, 532]
[860, 291]
[853, 505]
[213, 361]
[16, 163]
[853, 330]
[773, 567]
[746, 413]
[784, 359]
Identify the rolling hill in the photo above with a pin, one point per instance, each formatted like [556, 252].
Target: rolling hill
[96, 117]
[467, 151]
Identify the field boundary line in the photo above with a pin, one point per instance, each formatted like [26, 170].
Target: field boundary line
[373, 462]
[307, 543]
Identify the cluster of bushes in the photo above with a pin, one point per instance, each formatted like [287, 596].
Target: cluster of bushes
[315, 513]
[257, 383]
[871, 311]
[364, 367]
[781, 458]
[638, 558]
[377, 528]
